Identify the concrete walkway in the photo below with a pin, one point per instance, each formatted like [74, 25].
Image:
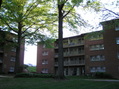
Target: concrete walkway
[107, 80]
[5, 76]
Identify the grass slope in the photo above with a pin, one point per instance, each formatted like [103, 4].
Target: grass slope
[42, 83]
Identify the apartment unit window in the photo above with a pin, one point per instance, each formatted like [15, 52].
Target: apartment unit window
[117, 40]
[118, 54]
[44, 70]
[97, 69]
[45, 53]
[97, 58]
[72, 42]
[81, 40]
[13, 49]
[12, 58]
[65, 42]
[44, 46]
[44, 61]
[117, 28]
[1, 59]
[97, 47]
[14, 39]
[96, 37]
[11, 69]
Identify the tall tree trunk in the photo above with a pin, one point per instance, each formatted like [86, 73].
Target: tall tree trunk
[60, 44]
[0, 3]
[18, 67]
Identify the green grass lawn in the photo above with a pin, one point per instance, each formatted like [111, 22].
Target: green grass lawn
[32, 69]
[47, 83]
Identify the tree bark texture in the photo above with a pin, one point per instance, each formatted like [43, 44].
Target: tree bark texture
[18, 67]
[60, 44]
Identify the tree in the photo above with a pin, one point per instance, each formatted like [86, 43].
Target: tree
[0, 3]
[110, 10]
[67, 13]
[62, 6]
[28, 20]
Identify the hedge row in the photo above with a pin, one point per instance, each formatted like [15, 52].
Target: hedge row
[32, 75]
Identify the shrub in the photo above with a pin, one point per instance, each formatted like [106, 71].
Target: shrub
[32, 75]
[102, 75]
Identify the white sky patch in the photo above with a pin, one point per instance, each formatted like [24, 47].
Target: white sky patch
[30, 54]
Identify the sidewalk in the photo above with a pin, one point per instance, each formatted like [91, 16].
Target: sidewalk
[4, 76]
[107, 80]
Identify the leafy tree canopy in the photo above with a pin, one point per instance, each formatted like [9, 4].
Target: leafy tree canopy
[33, 17]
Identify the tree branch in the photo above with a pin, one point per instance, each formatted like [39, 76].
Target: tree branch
[111, 11]
[68, 11]
[29, 10]
[8, 25]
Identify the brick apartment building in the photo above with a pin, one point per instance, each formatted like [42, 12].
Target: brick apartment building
[86, 53]
[45, 59]
[8, 52]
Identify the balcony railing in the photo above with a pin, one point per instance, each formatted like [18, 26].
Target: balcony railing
[71, 44]
[71, 54]
[72, 63]
[74, 53]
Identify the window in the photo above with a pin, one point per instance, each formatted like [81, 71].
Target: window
[13, 49]
[14, 39]
[117, 40]
[44, 62]
[97, 47]
[96, 37]
[92, 69]
[117, 28]
[98, 69]
[11, 69]
[44, 70]
[12, 58]
[45, 53]
[1, 59]
[101, 46]
[118, 54]
[44, 46]
[97, 58]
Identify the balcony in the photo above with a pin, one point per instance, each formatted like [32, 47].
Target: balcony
[73, 54]
[72, 63]
[71, 45]
[68, 54]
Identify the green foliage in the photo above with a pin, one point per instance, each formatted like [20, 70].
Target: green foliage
[93, 5]
[103, 75]
[32, 69]
[94, 35]
[31, 17]
[32, 75]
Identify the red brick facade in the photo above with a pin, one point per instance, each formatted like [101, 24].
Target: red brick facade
[87, 53]
[45, 59]
[8, 54]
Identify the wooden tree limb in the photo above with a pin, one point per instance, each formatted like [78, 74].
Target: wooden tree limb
[68, 11]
